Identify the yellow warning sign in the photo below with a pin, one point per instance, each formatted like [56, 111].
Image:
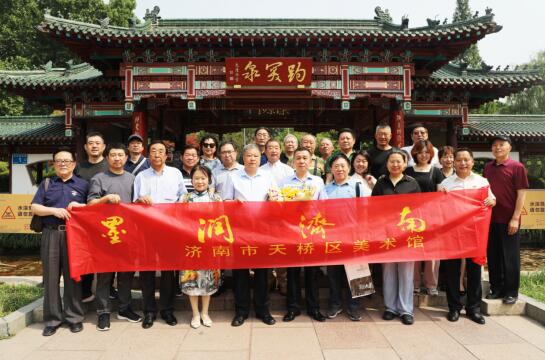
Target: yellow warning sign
[533, 212]
[15, 213]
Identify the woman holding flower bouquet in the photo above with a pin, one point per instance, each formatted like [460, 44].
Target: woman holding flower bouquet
[200, 283]
[298, 187]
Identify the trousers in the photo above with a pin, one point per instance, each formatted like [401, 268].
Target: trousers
[124, 285]
[166, 291]
[473, 290]
[503, 255]
[397, 287]
[241, 287]
[293, 298]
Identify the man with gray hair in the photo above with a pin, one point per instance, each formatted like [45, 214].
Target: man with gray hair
[379, 153]
[317, 165]
[420, 132]
[326, 148]
[290, 144]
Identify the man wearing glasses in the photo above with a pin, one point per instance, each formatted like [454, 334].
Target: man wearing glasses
[418, 133]
[64, 192]
[229, 164]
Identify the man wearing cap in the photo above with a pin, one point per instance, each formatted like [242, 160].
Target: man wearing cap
[508, 181]
[136, 162]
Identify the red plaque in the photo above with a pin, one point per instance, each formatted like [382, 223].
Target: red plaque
[268, 72]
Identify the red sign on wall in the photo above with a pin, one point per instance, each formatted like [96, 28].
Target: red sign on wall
[275, 72]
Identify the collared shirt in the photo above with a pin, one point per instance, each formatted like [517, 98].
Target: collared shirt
[131, 166]
[286, 159]
[406, 185]
[309, 181]
[187, 180]
[328, 162]
[220, 174]
[278, 170]
[107, 183]
[87, 170]
[346, 190]
[434, 160]
[317, 165]
[164, 187]
[473, 181]
[505, 179]
[239, 185]
[59, 194]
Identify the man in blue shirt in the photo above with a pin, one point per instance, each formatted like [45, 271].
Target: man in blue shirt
[136, 162]
[64, 192]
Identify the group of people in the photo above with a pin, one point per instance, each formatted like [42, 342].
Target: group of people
[212, 172]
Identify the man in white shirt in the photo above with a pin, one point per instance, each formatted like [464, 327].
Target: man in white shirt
[229, 164]
[464, 179]
[277, 168]
[156, 185]
[302, 179]
[420, 132]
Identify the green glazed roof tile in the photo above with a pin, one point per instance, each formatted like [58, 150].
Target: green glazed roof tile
[515, 126]
[25, 129]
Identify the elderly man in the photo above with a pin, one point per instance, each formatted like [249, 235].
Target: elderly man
[465, 178]
[277, 168]
[229, 164]
[326, 149]
[346, 142]
[55, 196]
[136, 162]
[379, 153]
[261, 136]
[250, 184]
[113, 186]
[317, 165]
[302, 178]
[157, 185]
[290, 144]
[95, 163]
[420, 132]
[189, 158]
[508, 181]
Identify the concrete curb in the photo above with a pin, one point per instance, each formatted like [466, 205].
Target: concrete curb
[19, 319]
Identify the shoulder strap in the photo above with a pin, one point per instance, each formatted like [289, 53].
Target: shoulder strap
[315, 166]
[358, 191]
[46, 184]
[139, 165]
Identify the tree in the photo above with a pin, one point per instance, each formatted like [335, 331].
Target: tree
[22, 46]
[471, 56]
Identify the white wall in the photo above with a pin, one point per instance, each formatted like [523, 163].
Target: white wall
[20, 179]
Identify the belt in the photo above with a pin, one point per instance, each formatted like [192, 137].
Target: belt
[56, 227]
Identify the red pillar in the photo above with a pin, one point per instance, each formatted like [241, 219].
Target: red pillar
[139, 125]
[397, 123]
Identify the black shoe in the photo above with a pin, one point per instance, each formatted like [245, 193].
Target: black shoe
[476, 317]
[453, 315]
[317, 315]
[407, 319]
[332, 313]
[388, 315]
[129, 315]
[354, 315]
[178, 292]
[238, 320]
[76, 328]
[50, 330]
[113, 294]
[220, 291]
[267, 319]
[169, 318]
[149, 318]
[509, 300]
[493, 295]
[103, 323]
[291, 315]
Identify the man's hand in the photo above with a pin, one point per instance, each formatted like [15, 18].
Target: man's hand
[513, 226]
[489, 201]
[145, 200]
[74, 204]
[114, 198]
[61, 213]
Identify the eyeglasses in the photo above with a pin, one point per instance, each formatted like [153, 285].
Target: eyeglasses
[63, 161]
[209, 145]
[227, 152]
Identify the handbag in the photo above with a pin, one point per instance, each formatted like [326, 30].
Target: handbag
[36, 223]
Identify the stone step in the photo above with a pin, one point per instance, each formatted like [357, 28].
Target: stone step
[497, 307]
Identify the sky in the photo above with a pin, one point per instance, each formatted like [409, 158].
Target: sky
[522, 36]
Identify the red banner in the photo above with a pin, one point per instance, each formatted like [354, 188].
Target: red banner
[274, 72]
[230, 235]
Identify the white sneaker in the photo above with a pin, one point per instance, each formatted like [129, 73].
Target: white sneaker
[206, 321]
[196, 322]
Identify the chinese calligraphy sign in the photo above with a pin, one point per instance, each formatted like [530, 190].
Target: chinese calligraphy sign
[268, 72]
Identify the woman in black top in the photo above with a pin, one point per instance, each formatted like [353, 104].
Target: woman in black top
[428, 177]
[397, 278]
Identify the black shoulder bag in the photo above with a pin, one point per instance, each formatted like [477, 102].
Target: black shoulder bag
[36, 223]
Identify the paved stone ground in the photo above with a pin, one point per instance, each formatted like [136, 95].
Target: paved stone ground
[431, 337]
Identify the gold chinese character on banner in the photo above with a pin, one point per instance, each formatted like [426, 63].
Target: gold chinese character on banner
[415, 241]
[251, 72]
[111, 224]
[333, 247]
[388, 243]
[273, 71]
[249, 250]
[279, 249]
[410, 224]
[193, 251]
[221, 251]
[217, 227]
[305, 248]
[295, 72]
[361, 246]
[316, 225]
